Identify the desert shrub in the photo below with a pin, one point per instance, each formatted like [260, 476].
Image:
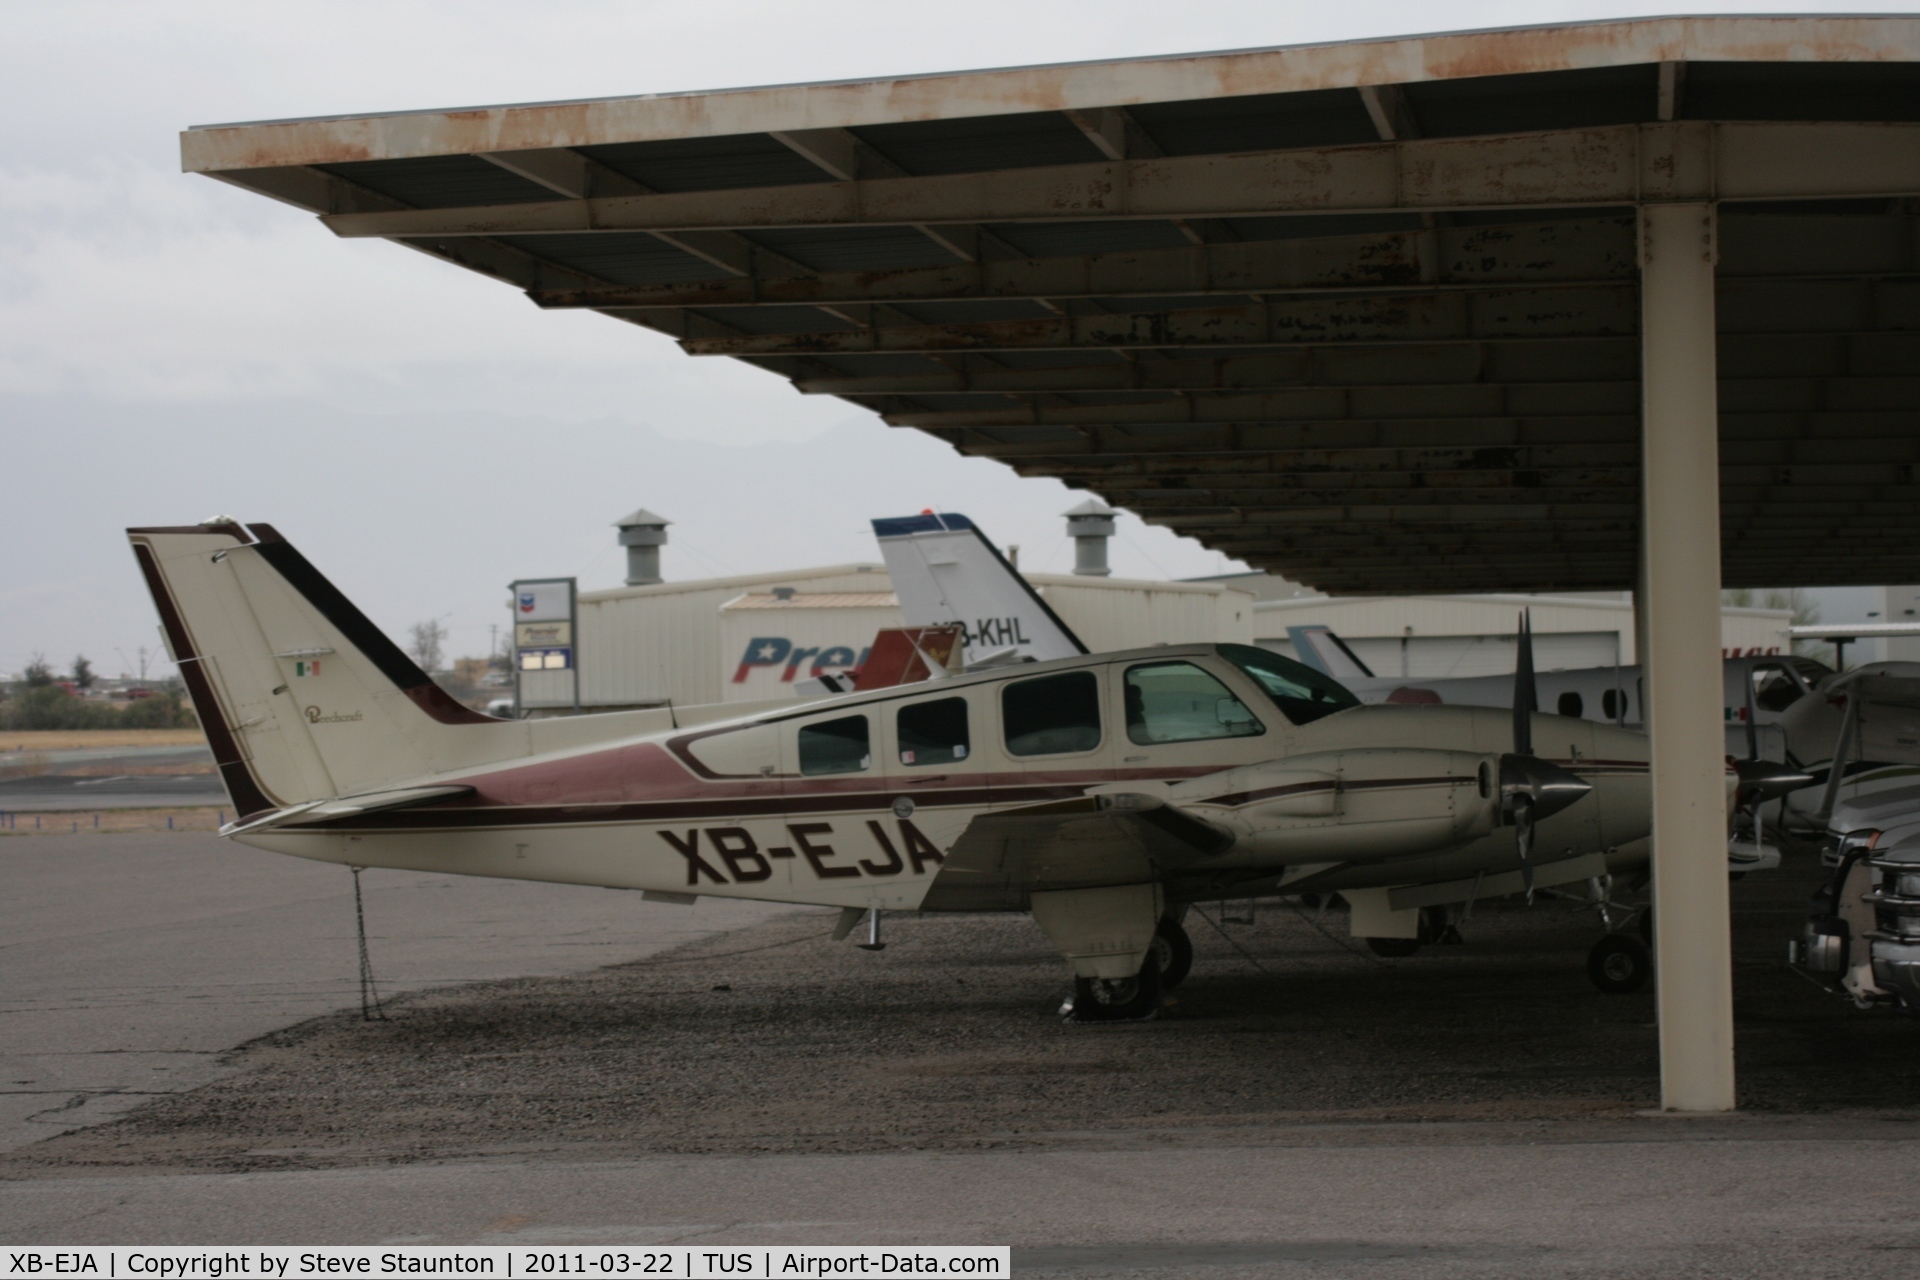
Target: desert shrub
[161, 711]
[51, 707]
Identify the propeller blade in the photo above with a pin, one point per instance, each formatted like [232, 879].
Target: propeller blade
[1523, 841]
[1526, 698]
[1766, 779]
[1753, 732]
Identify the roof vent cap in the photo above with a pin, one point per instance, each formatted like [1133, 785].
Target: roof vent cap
[643, 533]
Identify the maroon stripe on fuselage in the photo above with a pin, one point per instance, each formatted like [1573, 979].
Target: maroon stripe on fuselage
[678, 810]
[1234, 799]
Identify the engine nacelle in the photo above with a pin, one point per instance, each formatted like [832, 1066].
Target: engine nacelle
[1363, 805]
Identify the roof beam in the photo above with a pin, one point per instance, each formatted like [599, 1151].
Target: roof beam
[1386, 106]
[1297, 368]
[1572, 168]
[1546, 462]
[1399, 511]
[1316, 403]
[1548, 312]
[1671, 94]
[1116, 135]
[578, 177]
[839, 153]
[1332, 401]
[1586, 249]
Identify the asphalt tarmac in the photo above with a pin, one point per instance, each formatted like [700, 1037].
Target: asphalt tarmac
[1692, 1198]
[95, 778]
[1304, 1110]
[56, 793]
[130, 963]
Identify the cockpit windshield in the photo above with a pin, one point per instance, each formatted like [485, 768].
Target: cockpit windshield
[1302, 694]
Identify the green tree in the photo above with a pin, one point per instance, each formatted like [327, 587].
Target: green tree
[39, 674]
[83, 676]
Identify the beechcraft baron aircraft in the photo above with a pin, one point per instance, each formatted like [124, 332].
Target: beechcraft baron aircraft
[1101, 792]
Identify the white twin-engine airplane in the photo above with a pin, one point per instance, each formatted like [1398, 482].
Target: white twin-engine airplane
[1101, 792]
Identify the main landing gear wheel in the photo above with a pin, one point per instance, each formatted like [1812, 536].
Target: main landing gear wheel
[1619, 964]
[1394, 948]
[1132, 999]
[1174, 952]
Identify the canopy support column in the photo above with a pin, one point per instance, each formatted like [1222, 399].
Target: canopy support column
[1680, 532]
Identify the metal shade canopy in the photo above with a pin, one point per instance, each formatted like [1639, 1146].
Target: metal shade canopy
[1587, 306]
[1364, 314]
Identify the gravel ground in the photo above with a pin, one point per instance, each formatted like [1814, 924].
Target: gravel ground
[775, 1039]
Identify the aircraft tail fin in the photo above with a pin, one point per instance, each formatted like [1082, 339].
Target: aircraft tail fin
[301, 697]
[946, 572]
[1320, 648]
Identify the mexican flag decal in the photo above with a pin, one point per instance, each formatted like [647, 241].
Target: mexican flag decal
[307, 667]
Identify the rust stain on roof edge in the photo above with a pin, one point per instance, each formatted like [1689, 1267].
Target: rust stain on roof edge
[959, 95]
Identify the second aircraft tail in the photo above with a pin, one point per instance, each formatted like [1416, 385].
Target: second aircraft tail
[946, 572]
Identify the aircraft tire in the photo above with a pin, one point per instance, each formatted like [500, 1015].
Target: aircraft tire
[1394, 948]
[1619, 964]
[1174, 950]
[1134, 999]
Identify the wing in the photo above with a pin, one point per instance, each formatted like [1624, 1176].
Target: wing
[1082, 843]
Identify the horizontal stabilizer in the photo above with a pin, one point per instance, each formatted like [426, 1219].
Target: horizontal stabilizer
[348, 807]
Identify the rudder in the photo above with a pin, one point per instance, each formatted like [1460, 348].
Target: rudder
[301, 697]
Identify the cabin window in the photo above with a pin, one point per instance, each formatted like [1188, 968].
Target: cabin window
[1302, 694]
[835, 746]
[933, 732]
[1571, 704]
[1178, 702]
[1613, 704]
[1052, 715]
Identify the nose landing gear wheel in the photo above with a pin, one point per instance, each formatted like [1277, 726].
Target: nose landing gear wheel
[1174, 951]
[1619, 964]
[1132, 999]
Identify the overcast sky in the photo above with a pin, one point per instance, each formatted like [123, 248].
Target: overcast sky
[172, 348]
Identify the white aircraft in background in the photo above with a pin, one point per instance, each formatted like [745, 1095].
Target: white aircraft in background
[1857, 738]
[1100, 792]
[945, 570]
[1864, 934]
[1762, 686]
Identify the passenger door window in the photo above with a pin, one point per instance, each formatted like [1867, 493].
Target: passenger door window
[835, 746]
[933, 732]
[1179, 702]
[1051, 715]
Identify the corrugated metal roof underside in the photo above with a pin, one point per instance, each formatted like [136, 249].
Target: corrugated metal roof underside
[1365, 402]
